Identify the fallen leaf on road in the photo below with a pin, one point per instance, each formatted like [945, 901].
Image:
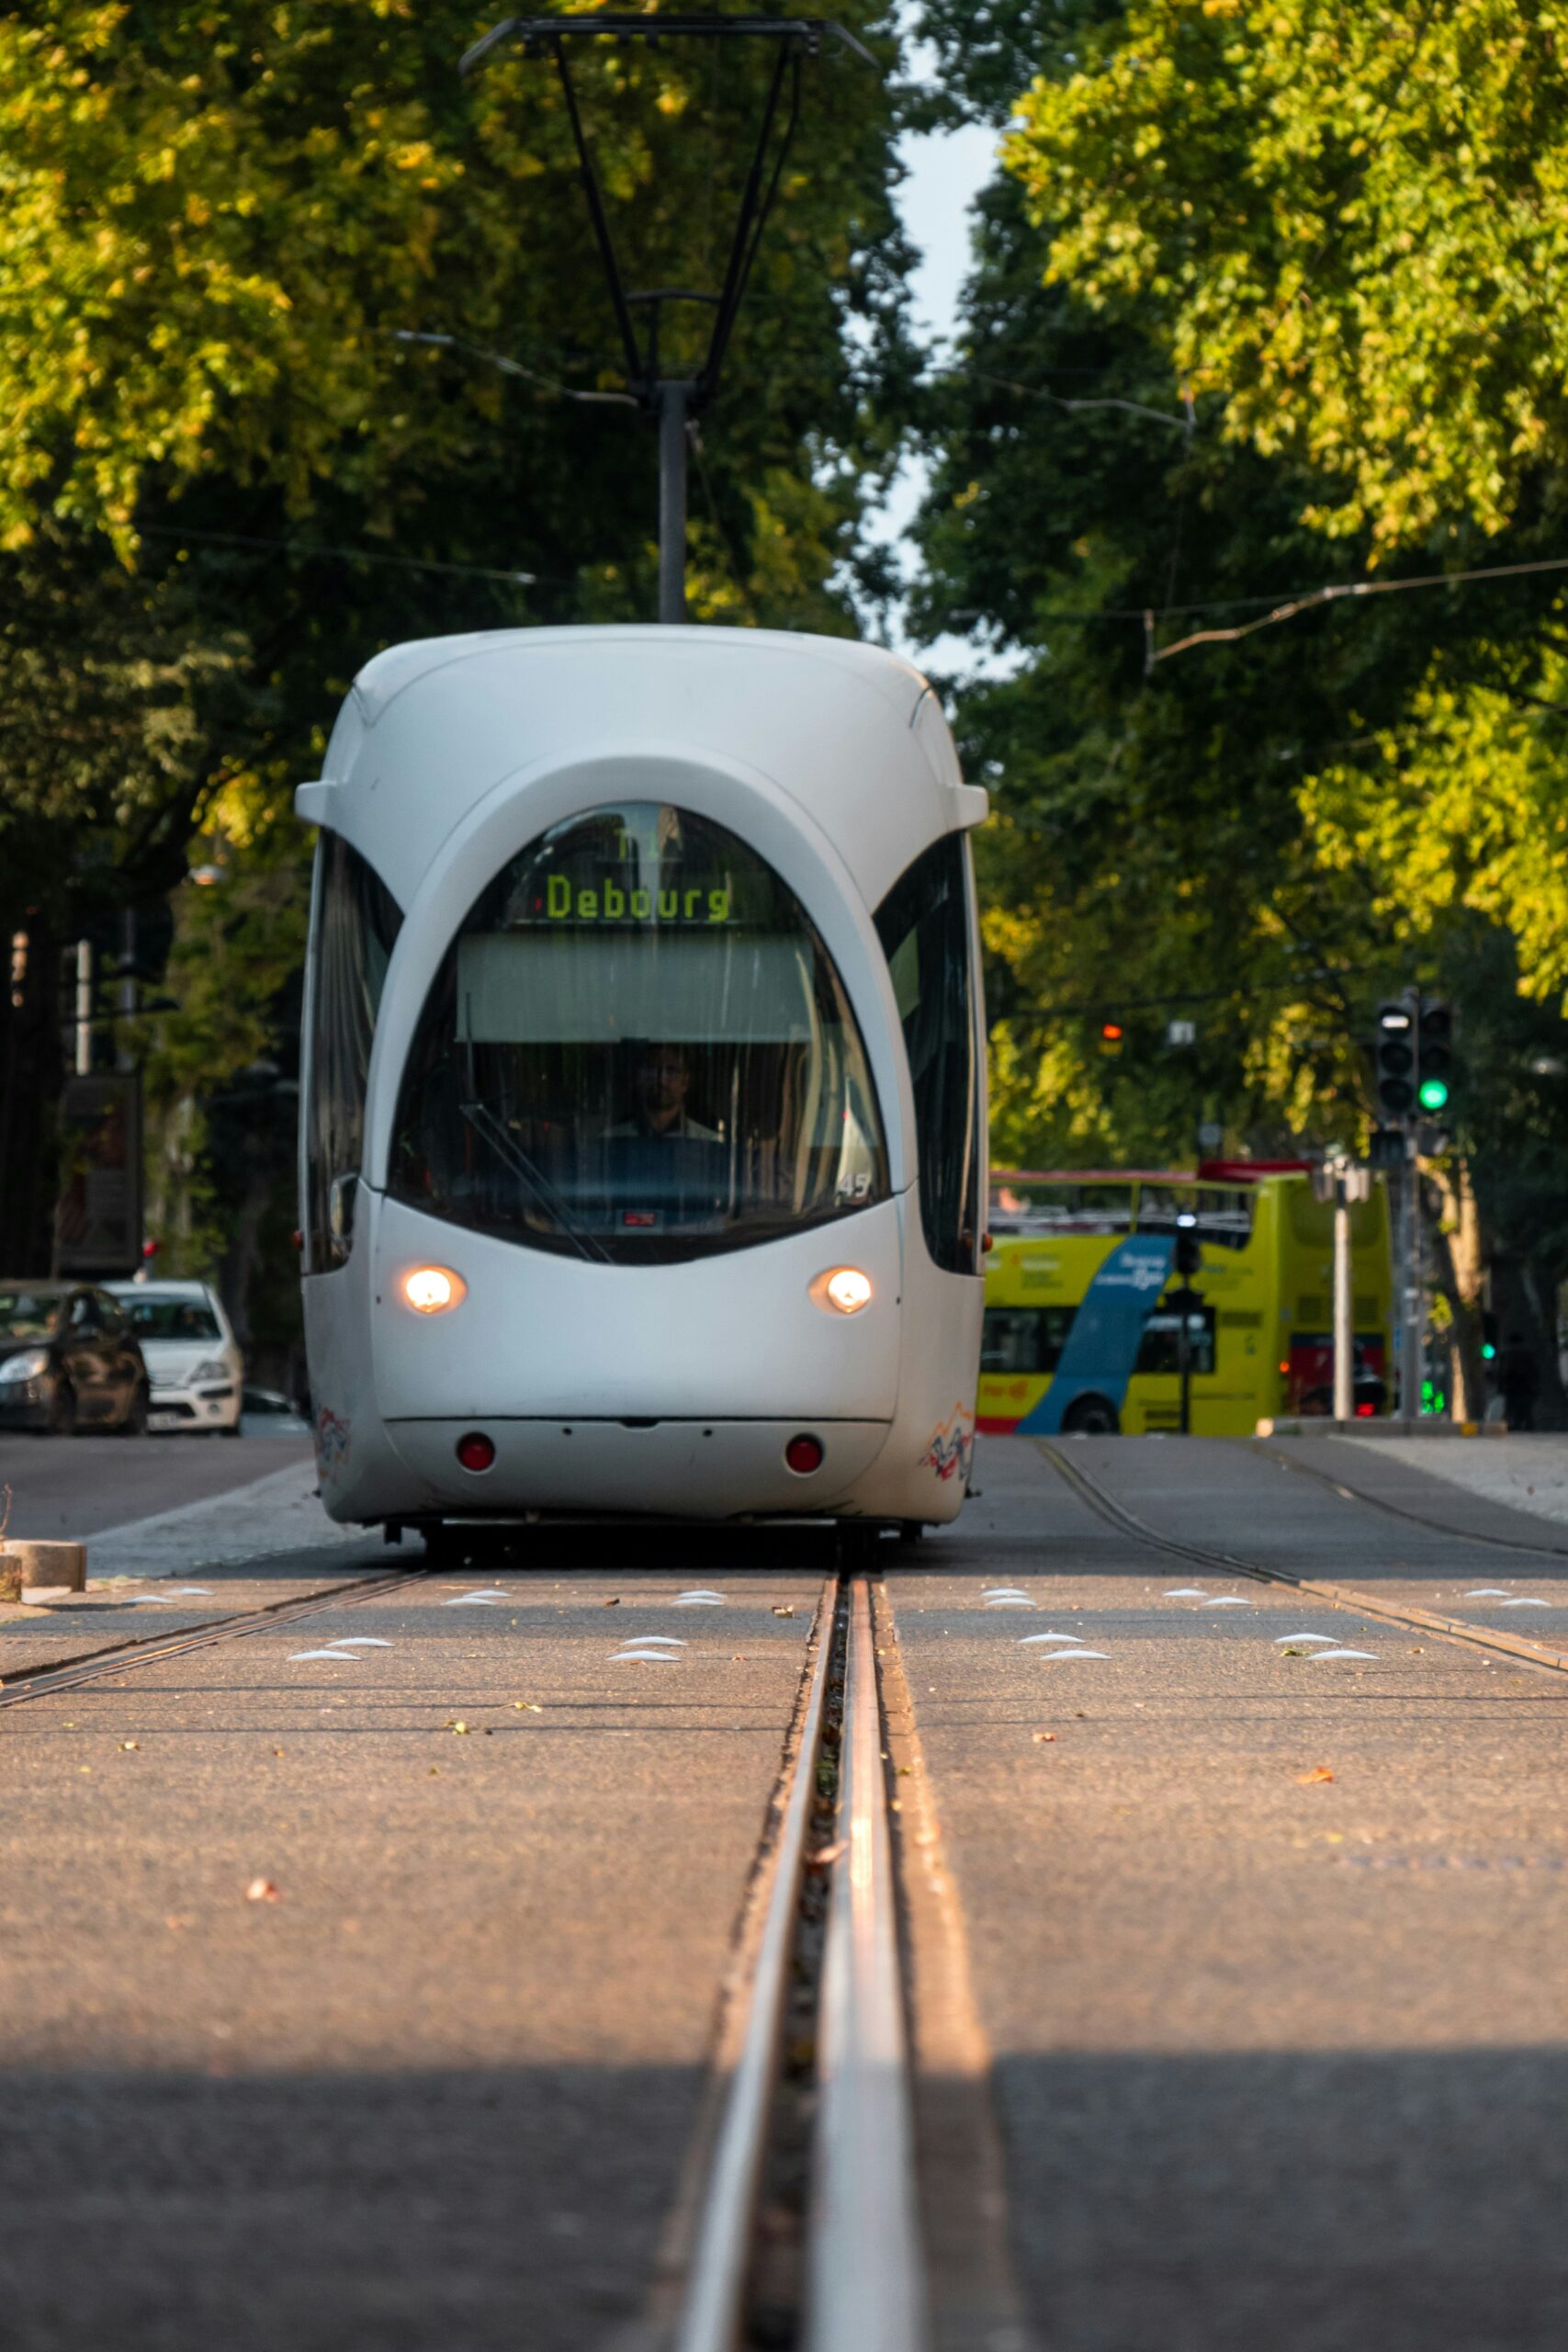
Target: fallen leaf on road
[261, 1889]
[1043, 1735]
[824, 1857]
[454, 1726]
[525, 1707]
[613, 1604]
[1318, 1772]
[782, 1612]
[129, 1747]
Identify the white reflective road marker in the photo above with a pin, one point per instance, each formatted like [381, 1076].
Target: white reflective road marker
[359, 1641]
[698, 1601]
[1066, 1657]
[338, 1658]
[1318, 1656]
[1331, 1640]
[1024, 1639]
[1230, 1600]
[1487, 1592]
[1525, 1602]
[1185, 1592]
[643, 1658]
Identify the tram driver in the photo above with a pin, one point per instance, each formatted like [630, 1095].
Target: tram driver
[661, 1080]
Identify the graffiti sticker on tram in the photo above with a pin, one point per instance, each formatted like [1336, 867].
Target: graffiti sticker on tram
[951, 1445]
[332, 1442]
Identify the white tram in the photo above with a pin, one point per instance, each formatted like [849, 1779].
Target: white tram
[642, 1151]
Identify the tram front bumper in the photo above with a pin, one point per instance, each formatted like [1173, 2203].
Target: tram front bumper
[685, 1469]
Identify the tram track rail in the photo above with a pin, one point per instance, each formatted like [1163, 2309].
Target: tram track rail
[1410, 1517]
[1107, 1507]
[861, 2270]
[26, 1682]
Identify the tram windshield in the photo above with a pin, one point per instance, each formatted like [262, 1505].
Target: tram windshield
[637, 1049]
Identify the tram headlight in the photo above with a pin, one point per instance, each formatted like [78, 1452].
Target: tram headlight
[843, 1288]
[431, 1290]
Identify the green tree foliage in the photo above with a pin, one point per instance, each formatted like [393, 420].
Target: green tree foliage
[1351, 223]
[1188, 390]
[227, 484]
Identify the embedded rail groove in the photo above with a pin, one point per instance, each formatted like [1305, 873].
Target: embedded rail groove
[1411, 1517]
[865, 2287]
[38, 1681]
[1417, 1621]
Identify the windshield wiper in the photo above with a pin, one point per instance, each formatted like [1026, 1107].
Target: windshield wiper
[484, 1122]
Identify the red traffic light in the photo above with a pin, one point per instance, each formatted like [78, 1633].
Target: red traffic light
[1112, 1031]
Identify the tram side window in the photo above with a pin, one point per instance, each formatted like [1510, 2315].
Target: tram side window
[356, 922]
[1025, 1340]
[923, 924]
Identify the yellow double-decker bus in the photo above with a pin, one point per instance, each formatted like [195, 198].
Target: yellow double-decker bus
[1083, 1333]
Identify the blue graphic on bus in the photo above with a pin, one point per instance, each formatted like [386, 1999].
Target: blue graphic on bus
[1108, 1331]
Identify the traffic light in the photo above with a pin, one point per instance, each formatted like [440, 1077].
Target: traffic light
[1189, 1254]
[1434, 1056]
[1112, 1034]
[1393, 1060]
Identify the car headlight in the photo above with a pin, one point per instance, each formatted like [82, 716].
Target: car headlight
[211, 1370]
[26, 1366]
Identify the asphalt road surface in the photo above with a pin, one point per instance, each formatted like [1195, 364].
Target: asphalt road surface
[1279, 2059]
[70, 1487]
[1264, 1944]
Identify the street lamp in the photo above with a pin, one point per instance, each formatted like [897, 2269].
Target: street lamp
[674, 400]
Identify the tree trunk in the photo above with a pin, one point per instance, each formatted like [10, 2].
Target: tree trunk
[1462, 1272]
[31, 1076]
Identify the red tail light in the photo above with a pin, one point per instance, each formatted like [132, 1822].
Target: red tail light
[803, 1455]
[476, 1451]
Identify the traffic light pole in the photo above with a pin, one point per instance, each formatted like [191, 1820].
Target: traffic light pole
[1344, 1320]
[1411, 1286]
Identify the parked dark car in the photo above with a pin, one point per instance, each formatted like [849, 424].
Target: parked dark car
[68, 1361]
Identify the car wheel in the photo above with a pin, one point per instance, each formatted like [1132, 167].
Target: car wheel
[1092, 1416]
[135, 1421]
[62, 1414]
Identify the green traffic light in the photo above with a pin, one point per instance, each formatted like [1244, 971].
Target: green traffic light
[1432, 1093]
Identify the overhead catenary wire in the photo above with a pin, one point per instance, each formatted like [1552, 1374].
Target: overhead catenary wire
[1283, 608]
[309, 552]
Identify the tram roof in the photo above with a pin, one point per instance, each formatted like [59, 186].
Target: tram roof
[852, 734]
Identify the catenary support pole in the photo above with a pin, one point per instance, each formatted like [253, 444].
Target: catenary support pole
[1344, 1327]
[672, 400]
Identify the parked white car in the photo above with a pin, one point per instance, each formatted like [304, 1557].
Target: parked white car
[193, 1358]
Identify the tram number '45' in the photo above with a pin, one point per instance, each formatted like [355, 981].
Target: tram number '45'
[951, 1446]
[609, 903]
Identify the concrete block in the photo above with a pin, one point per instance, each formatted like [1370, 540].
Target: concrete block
[40, 1573]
